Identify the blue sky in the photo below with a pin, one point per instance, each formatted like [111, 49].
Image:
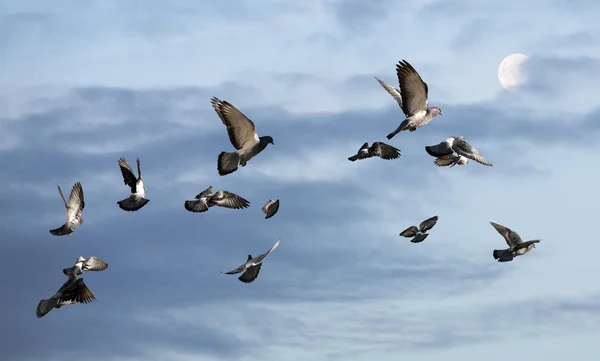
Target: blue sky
[84, 83]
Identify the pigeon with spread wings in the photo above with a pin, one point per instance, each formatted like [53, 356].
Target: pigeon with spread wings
[72, 291]
[252, 266]
[414, 103]
[242, 135]
[378, 149]
[419, 234]
[82, 264]
[270, 208]
[74, 209]
[458, 145]
[206, 199]
[516, 247]
[138, 192]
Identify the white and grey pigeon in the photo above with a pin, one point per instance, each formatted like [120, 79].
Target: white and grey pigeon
[206, 199]
[516, 247]
[74, 209]
[90, 264]
[242, 135]
[72, 291]
[414, 103]
[270, 208]
[458, 145]
[378, 149]
[252, 266]
[138, 192]
[450, 160]
[419, 234]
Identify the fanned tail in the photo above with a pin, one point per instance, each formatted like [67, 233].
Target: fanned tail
[503, 255]
[132, 203]
[227, 163]
[353, 158]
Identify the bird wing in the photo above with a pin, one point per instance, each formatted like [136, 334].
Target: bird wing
[76, 291]
[394, 92]
[259, 258]
[461, 147]
[364, 147]
[412, 88]
[196, 206]
[511, 237]
[385, 151]
[250, 274]
[241, 130]
[63, 197]
[444, 160]
[237, 270]
[428, 224]
[129, 177]
[227, 199]
[205, 193]
[76, 202]
[409, 232]
[271, 208]
[94, 264]
[439, 150]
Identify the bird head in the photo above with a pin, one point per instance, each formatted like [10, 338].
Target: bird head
[268, 139]
[437, 110]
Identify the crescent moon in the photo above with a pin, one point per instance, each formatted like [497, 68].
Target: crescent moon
[510, 75]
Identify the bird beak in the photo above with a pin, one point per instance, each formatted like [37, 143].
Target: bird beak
[272, 142]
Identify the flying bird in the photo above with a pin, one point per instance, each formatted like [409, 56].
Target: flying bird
[138, 192]
[72, 291]
[450, 160]
[252, 266]
[516, 247]
[419, 234]
[242, 135]
[74, 208]
[459, 145]
[378, 149]
[82, 264]
[413, 92]
[206, 199]
[270, 208]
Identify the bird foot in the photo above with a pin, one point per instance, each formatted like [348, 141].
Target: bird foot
[243, 164]
[413, 129]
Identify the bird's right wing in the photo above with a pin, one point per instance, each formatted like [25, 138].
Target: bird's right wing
[428, 224]
[511, 237]
[240, 129]
[409, 232]
[259, 258]
[461, 147]
[228, 199]
[129, 177]
[413, 89]
[387, 151]
[76, 202]
[94, 264]
[196, 206]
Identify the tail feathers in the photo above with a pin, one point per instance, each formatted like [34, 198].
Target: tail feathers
[46, 306]
[196, 206]
[353, 158]
[227, 163]
[503, 255]
[399, 129]
[61, 231]
[419, 238]
[132, 203]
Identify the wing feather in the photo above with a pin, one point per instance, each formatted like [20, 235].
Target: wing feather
[409, 232]
[394, 92]
[385, 151]
[129, 177]
[76, 202]
[228, 199]
[511, 237]
[241, 130]
[412, 88]
[428, 224]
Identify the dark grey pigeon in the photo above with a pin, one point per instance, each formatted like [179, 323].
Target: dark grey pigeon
[206, 199]
[270, 208]
[252, 266]
[459, 145]
[90, 264]
[74, 208]
[242, 135]
[516, 247]
[414, 104]
[378, 149]
[138, 192]
[419, 234]
[72, 291]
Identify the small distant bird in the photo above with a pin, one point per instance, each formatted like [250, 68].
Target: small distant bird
[74, 208]
[450, 160]
[138, 192]
[516, 247]
[222, 198]
[378, 149]
[82, 264]
[459, 145]
[72, 291]
[413, 93]
[242, 135]
[270, 208]
[419, 234]
[252, 266]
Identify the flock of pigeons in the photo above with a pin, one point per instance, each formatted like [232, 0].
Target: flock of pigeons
[412, 99]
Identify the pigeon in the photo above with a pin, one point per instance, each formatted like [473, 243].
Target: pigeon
[252, 266]
[82, 264]
[72, 291]
[419, 234]
[136, 200]
[270, 208]
[516, 247]
[222, 198]
[242, 135]
[74, 208]
[378, 149]
[414, 104]
[450, 160]
[459, 145]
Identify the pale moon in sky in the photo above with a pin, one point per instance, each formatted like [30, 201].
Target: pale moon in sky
[510, 73]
